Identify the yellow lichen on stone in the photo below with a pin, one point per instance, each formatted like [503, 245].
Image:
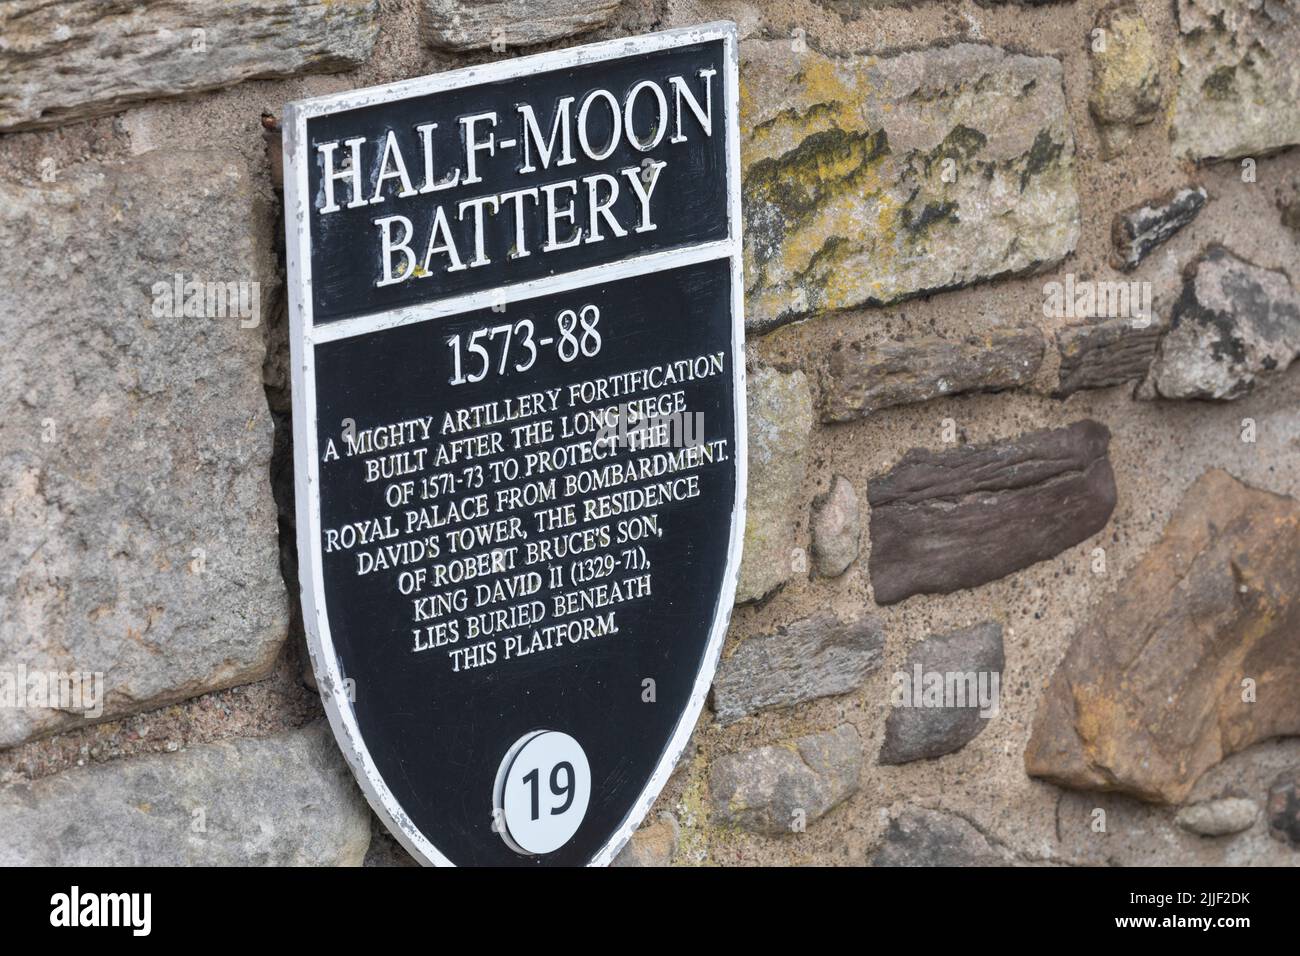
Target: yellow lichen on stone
[815, 100]
[1127, 80]
[842, 156]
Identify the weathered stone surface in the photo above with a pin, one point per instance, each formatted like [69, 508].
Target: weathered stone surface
[836, 528]
[1218, 817]
[946, 520]
[921, 837]
[287, 800]
[1103, 353]
[849, 195]
[79, 58]
[652, 845]
[501, 24]
[775, 789]
[1150, 693]
[384, 850]
[1139, 229]
[862, 379]
[141, 538]
[1126, 86]
[1238, 88]
[817, 657]
[1139, 833]
[1289, 209]
[1234, 326]
[851, 8]
[1284, 808]
[973, 658]
[780, 421]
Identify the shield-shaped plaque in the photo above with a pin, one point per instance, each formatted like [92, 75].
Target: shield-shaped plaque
[519, 436]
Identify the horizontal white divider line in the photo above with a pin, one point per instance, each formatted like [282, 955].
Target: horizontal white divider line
[520, 291]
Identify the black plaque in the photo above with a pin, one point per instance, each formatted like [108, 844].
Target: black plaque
[519, 433]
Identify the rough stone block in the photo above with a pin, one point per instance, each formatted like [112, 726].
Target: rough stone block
[142, 540]
[946, 520]
[870, 179]
[1150, 694]
[81, 58]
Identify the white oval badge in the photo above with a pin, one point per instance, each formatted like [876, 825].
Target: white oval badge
[543, 788]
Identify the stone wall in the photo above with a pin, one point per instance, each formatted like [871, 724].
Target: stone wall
[969, 453]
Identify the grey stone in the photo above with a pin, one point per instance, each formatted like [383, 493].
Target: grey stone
[1238, 90]
[1284, 808]
[972, 657]
[871, 179]
[775, 790]
[141, 538]
[780, 422]
[80, 58]
[1218, 817]
[384, 849]
[836, 528]
[946, 520]
[1103, 353]
[1140, 833]
[653, 845]
[286, 800]
[1290, 210]
[816, 657]
[862, 378]
[1235, 326]
[917, 836]
[502, 24]
[1126, 88]
[1139, 229]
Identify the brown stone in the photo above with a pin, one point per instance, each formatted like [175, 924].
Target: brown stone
[1284, 808]
[1105, 353]
[1150, 694]
[652, 845]
[862, 378]
[946, 520]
